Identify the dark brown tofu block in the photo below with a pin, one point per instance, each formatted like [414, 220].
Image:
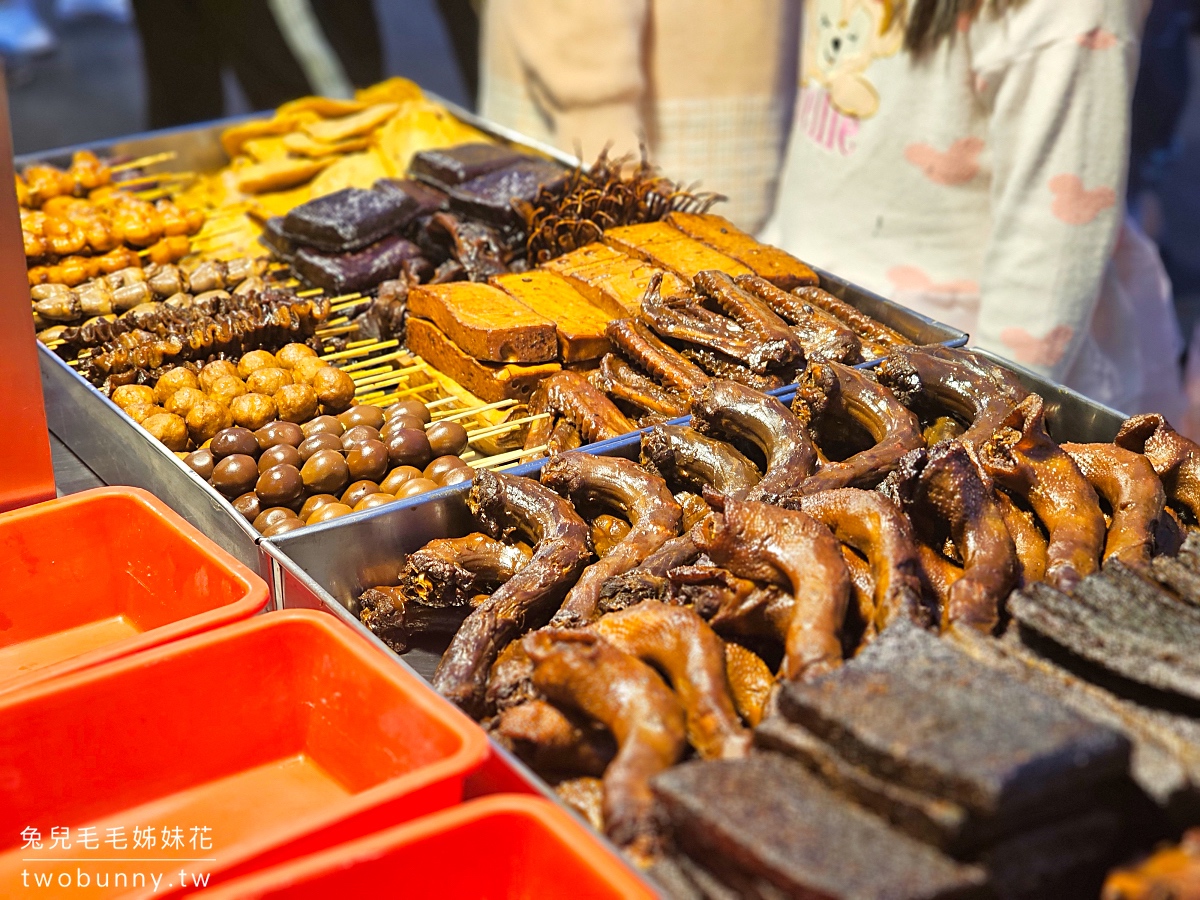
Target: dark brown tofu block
[915, 711]
[767, 817]
[448, 166]
[485, 322]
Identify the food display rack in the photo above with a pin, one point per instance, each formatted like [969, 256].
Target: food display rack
[119, 451]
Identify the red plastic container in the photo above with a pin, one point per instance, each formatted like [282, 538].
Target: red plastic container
[506, 846]
[281, 735]
[101, 574]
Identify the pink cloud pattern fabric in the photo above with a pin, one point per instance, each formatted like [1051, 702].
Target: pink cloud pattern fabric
[958, 164]
[1044, 351]
[1076, 205]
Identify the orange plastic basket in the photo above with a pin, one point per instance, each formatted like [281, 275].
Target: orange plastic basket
[277, 736]
[505, 846]
[101, 574]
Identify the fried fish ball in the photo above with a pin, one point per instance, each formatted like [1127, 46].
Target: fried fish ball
[226, 389]
[128, 395]
[296, 402]
[291, 354]
[206, 418]
[214, 370]
[267, 380]
[172, 380]
[306, 369]
[253, 411]
[168, 428]
[183, 400]
[140, 412]
[256, 359]
[335, 389]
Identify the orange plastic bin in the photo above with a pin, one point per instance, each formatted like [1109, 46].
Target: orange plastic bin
[505, 846]
[101, 574]
[260, 741]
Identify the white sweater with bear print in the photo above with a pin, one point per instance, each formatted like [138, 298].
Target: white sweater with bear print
[981, 184]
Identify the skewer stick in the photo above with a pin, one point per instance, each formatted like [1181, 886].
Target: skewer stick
[344, 297]
[389, 375]
[510, 456]
[143, 161]
[432, 404]
[364, 342]
[471, 410]
[365, 363]
[360, 351]
[389, 399]
[156, 176]
[505, 427]
[336, 330]
[314, 292]
[367, 373]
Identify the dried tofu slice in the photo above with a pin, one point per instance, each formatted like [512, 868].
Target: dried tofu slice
[486, 322]
[488, 381]
[325, 107]
[611, 280]
[278, 174]
[781, 269]
[393, 90]
[333, 130]
[580, 324]
[234, 137]
[419, 126]
[669, 248]
[265, 148]
[301, 144]
[280, 203]
[360, 170]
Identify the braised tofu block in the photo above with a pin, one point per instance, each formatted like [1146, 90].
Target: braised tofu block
[358, 270]
[345, 220]
[781, 269]
[417, 198]
[485, 322]
[488, 381]
[765, 817]
[580, 324]
[611, 280]
[667, 247]
[490, 197]
[449, 166]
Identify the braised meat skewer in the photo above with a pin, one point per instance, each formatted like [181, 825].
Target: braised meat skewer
[505, 505]
[581, 670]
[679, 643]
[726, 409]
[791, 550]
[1022, 458]
[832, 395]
[623, 485]
[1127, 482]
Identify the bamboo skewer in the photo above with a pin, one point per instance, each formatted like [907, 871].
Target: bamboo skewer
[388, 357]
[314, 292]
[336, 330]
[157, 176]
[143, 161]
[510, 456]
[471, 410]
[504, 427]
[432, 404]
[407, 392]
[390, 377]
[360, 351]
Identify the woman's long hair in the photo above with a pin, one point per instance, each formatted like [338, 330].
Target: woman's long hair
[932, 21]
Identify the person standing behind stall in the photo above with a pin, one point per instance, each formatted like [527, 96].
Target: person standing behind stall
[968, 158]
[707, 85]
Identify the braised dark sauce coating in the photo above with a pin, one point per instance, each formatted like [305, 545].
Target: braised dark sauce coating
[450, 571]
[689, 460]
[505, 506]
[624, 486]
[819, 333]
[1175, 458]
[1127, 482]
[662, 362]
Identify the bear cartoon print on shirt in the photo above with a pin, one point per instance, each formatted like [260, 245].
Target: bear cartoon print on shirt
[843, 38]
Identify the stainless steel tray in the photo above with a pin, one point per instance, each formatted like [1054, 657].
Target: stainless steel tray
[120, 452]
[1070, 416]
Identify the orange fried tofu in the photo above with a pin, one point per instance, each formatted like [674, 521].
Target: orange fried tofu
[669, 248]
[488, 381]
[485, 322]
[580, 324]
[781, 269]
[610, 279]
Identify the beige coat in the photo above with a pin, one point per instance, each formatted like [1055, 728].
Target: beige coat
[707, 84]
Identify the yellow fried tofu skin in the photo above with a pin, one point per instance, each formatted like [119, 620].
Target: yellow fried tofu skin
[277, 174]
[333, 130]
